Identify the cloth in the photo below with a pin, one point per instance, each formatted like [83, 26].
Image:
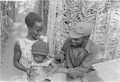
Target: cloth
[40, 71]
[78, 61]
[88, 77]
[46, 63]
[25, 46]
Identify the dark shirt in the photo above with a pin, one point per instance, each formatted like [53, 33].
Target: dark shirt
[79, 60]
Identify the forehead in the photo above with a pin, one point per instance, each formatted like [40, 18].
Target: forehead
[38, 25]
[78, 38]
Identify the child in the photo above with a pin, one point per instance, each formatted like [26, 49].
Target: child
[22, 49]
[43, 65]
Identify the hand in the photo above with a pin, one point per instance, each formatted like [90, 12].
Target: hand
[72, 74]
[31, 72]
[53, 70]
[62, 70]
[28, 71]
[59, 59]
[62, 65]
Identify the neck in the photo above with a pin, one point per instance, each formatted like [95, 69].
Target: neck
[30, 37]
[84, 43]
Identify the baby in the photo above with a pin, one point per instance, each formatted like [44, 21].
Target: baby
[43, 65]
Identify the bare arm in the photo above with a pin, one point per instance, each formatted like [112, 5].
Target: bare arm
[53, 68]
[16, 58]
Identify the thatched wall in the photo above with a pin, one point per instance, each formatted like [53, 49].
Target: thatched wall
[104, 15]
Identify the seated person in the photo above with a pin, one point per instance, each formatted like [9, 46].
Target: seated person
[43, 65]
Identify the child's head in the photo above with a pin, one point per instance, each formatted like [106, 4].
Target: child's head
[40, 50]
[35, 24]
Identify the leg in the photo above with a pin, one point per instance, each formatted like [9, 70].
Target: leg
[92, 77]
[59, 77]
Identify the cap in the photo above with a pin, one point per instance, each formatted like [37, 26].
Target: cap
[81, 29]
[40, 48]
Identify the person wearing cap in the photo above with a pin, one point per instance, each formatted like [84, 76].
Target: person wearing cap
[42, 64]
[78, 54]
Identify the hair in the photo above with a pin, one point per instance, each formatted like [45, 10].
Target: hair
[31, 18]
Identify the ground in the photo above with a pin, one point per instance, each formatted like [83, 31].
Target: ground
[109, 71]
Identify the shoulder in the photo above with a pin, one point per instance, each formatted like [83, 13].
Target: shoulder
[19, 42]
[20, 39]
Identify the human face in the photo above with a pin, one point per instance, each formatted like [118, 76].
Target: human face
[79, 41]
[36, 30]
[39, 58]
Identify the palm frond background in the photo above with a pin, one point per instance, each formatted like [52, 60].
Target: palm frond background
[104, 15]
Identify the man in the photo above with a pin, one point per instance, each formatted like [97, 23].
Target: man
[78, 54]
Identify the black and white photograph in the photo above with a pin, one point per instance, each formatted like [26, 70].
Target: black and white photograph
[60, 41]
